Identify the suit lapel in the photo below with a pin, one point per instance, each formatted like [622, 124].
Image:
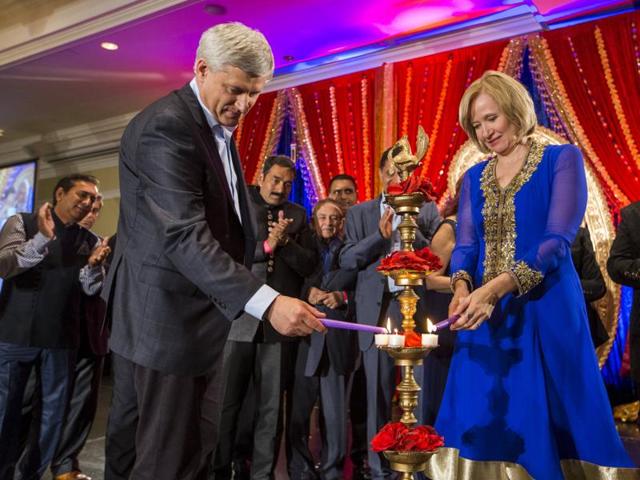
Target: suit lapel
[213, 158]
[248, 221]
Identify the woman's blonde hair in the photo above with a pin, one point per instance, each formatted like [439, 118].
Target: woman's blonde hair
[512, 98]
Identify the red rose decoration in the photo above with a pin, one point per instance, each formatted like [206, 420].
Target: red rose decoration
[396, 436]
[421, 260]
[413, 184]
[388, 437]
[412, 339]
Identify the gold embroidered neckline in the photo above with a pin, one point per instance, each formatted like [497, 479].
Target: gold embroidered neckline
[499, 215]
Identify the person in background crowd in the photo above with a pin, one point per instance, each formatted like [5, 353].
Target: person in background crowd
[180, 272]
[593, 286]
[371, 233]
[46, 260]
[624, 268]
[342, 189]
[255, 352]
[88, 374]
[325, 362]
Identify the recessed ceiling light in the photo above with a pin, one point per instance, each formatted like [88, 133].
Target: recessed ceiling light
[1, 132]
[215, 9]
[109, 46]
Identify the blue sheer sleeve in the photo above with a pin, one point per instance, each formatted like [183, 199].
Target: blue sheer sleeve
[566, 210]
[464, 257]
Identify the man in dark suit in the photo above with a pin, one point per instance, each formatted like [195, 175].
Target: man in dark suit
[624, 268]
[371, 233]
[255, 353]
[87, 376]
[185, 243]
[46, 260]
[325, 362]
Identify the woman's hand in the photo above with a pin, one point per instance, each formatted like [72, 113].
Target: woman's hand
[461, 291]
[475, 308]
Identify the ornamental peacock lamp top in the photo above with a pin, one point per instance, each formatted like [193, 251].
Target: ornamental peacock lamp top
[403, 159]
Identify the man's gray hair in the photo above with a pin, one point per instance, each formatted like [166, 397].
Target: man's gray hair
[237, 45]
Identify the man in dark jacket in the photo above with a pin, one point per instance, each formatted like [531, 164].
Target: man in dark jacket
[256, 353]
[46, 259]
[624, 268]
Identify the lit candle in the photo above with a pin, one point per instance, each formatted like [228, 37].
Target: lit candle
[429, 340]
[382, 339]
[396, 339]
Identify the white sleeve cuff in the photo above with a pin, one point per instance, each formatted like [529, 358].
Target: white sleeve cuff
[260, 301]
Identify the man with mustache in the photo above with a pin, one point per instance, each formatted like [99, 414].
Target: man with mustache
[255, 353]
[46, 259]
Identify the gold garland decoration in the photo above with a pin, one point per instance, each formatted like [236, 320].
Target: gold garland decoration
[615, 98]
[407, 99]
[366, 149]
[304, 140]
[336, 128]
[438, 119]
[543, 56]
[276, 120]
[511, 57]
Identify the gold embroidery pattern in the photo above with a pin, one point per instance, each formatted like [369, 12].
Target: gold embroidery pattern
[461, 275]
[499, 213]
[447, 464]
[526, 277]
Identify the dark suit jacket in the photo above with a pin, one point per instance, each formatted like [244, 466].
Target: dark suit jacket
[291, 264]
[179, 273]
[592, 282]
[624, 267]
[338, 348]
[365, 246]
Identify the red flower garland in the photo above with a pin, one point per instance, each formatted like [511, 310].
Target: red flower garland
[413, 184]
[412, 339]
[421, 260]
[397, 436]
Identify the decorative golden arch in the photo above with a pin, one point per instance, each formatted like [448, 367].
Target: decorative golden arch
[598, 220]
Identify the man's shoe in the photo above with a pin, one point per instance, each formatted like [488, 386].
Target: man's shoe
[73, 475]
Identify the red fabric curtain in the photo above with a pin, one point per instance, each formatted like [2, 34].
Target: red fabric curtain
[599, 64]
[429, 90]
[253, 132]
[340, 116]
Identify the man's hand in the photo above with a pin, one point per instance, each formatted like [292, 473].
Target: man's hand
[46, 226]
[292, 317]
[100, 253]
[386, 223]
[333, 299]
[315, 296]
[278, 231]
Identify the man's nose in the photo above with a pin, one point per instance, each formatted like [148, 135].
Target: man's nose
[242, 103]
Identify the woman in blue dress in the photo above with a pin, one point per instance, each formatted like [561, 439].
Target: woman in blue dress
[524, 398]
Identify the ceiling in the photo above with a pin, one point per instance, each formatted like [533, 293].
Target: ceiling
[67, 79]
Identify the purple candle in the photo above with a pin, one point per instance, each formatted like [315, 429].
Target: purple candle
[444, 323]
[329, 323]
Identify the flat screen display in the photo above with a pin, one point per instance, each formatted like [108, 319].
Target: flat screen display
[17, 190]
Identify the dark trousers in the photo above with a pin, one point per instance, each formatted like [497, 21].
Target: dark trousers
[358, 417]
[268, 367]
[53, 369]
[177, 426]
[331, 389]
[80, 413]
[120, 444]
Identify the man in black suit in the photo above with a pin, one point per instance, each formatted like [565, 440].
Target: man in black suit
[46, 260]
[255, 353]
[325, 362]
[87, 376]
[180, 273]
[624, 268]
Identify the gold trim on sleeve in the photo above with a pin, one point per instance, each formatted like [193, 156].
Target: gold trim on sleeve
[461, 275]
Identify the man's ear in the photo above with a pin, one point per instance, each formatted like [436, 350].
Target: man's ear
[59, 194]
[200, 68]
[260, 179]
